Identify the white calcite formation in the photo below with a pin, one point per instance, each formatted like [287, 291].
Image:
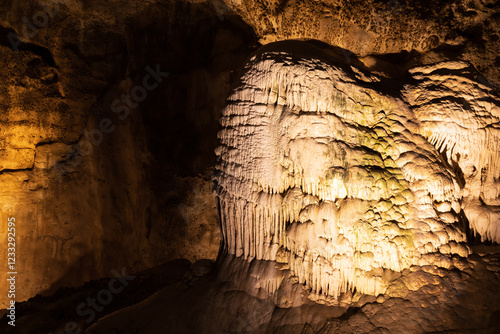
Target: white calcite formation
[460, 116]
[338, 177]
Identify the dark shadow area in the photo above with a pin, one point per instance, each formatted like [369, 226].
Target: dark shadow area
[85, 305]
[7, 35]
[182, 117]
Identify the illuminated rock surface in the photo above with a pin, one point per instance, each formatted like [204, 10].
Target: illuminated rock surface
[323, 169]
[424, 300]
[143, 196]
[430, 30]
[460, 117]
[341, 204]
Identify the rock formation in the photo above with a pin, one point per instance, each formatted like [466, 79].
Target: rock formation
[357, 173]
[459, 115]
[465, 30]
[325, 170]
[135, 196]
[344, 200]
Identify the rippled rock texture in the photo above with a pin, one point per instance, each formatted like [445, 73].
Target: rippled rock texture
[325, 170]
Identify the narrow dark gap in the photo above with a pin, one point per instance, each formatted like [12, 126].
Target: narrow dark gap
[43, 143]
[402, 57]
[449, 50]
[10, 39]
[9, 170]
[454, 167]
[473, 239]
[350, 312]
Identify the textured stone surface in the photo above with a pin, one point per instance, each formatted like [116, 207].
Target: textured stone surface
[323, 170]
[429, 300]
[467, 30]
[52, 314]
[142, 195]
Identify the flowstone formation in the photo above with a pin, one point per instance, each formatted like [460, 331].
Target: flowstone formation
[459, 115]
[340, 180]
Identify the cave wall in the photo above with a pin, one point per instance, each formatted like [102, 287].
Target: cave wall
[143, 194]
[96, 182]
[431, 30]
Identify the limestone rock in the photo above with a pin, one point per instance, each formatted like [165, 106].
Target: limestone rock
[442, 30]
[324, 169]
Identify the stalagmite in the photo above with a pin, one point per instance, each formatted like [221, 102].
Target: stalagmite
[322, 169]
